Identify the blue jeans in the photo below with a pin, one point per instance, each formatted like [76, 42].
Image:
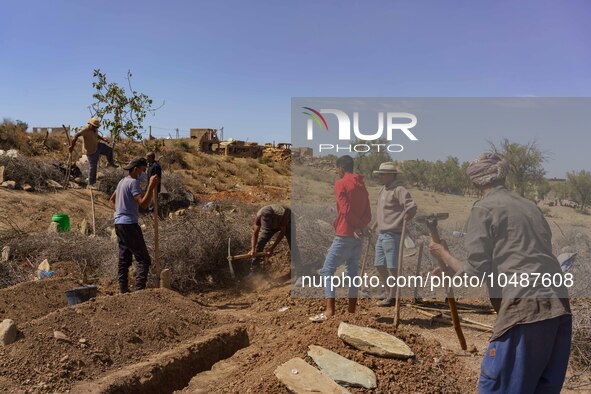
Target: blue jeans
[529, 358]
[93, 159]
[344, 250]
[387, 247]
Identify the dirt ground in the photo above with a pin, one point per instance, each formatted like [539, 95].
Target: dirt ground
[114, 333]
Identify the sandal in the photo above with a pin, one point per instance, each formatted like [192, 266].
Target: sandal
[319, 318]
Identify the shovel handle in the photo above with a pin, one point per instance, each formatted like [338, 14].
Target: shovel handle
[451, 300]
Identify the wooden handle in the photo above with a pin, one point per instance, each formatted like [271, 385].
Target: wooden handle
[156, 234]
[451, 301]
[247, 256]
[400, 258]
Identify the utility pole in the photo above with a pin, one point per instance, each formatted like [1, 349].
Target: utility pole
[222, 130]
[150, 133]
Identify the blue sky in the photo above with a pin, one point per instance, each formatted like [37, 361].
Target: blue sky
[238, 63]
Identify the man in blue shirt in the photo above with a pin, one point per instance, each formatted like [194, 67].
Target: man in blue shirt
[126, 201]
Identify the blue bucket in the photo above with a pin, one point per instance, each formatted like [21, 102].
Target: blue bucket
[80, 294]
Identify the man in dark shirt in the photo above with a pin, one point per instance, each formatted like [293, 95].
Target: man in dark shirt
[154, 169]
[508, 235]
[272, 219]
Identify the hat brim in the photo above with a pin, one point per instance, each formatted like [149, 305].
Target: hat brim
[385, 172]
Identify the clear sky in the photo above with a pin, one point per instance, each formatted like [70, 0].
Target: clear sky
[238, 63]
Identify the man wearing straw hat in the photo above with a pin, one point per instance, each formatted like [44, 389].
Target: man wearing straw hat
[395, 205]
[93, 147]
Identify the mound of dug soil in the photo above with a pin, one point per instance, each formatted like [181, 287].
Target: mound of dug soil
[99, 336]
[30, 300]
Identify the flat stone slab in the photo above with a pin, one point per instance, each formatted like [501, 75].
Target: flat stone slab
[301, 378]
[374, 341]
[341, 369]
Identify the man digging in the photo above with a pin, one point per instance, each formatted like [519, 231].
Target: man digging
[506, 235]
[395, 205]
[93, 148]
[126, 201]
[272, 219]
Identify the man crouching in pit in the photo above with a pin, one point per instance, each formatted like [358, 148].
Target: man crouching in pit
[126, 201]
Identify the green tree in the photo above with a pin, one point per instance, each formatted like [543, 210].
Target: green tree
[416, 172]
[367, 162]
[525, 164]
[120, 112]
[579, 184]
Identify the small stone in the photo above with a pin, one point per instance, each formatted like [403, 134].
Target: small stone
[181, 212]
[60, 336]
[9, 184]
[84, 230]
[74, 185]
[1, 174]
[7, 332]
[5, 254]
[64, 359]
[53, 228]
[28, 188]
[82, 340]
[54, 184]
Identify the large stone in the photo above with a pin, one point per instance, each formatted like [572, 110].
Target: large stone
[341, 369]
[1, 174]
[7, 332]
[374, 341]
[5, 254]
[300, 377]
[60, 336]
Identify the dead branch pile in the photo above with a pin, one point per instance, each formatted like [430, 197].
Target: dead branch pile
[29, 170]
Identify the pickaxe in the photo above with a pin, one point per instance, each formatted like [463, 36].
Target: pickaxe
[431, 221]
[242, 257]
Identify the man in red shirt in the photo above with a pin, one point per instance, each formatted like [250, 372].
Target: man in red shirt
[353, 215]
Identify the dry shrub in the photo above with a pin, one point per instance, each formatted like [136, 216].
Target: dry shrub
[30, 170]
[14, 136]
[195, 246]
[177, 196]
[173, 157]
[110, 179]
[97, 255]
[581, 342]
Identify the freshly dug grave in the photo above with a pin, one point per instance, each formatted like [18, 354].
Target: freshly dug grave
[276, 337]
[102, 335]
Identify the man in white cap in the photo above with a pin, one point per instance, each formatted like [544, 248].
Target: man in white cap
[93, 148]
[508, 237]
[395, 205]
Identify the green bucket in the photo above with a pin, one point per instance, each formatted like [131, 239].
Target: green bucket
[63, 222]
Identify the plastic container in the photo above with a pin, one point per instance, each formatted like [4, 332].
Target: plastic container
[63, 222]
[80, 294]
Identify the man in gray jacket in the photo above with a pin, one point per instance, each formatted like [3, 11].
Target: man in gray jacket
[395, 205]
